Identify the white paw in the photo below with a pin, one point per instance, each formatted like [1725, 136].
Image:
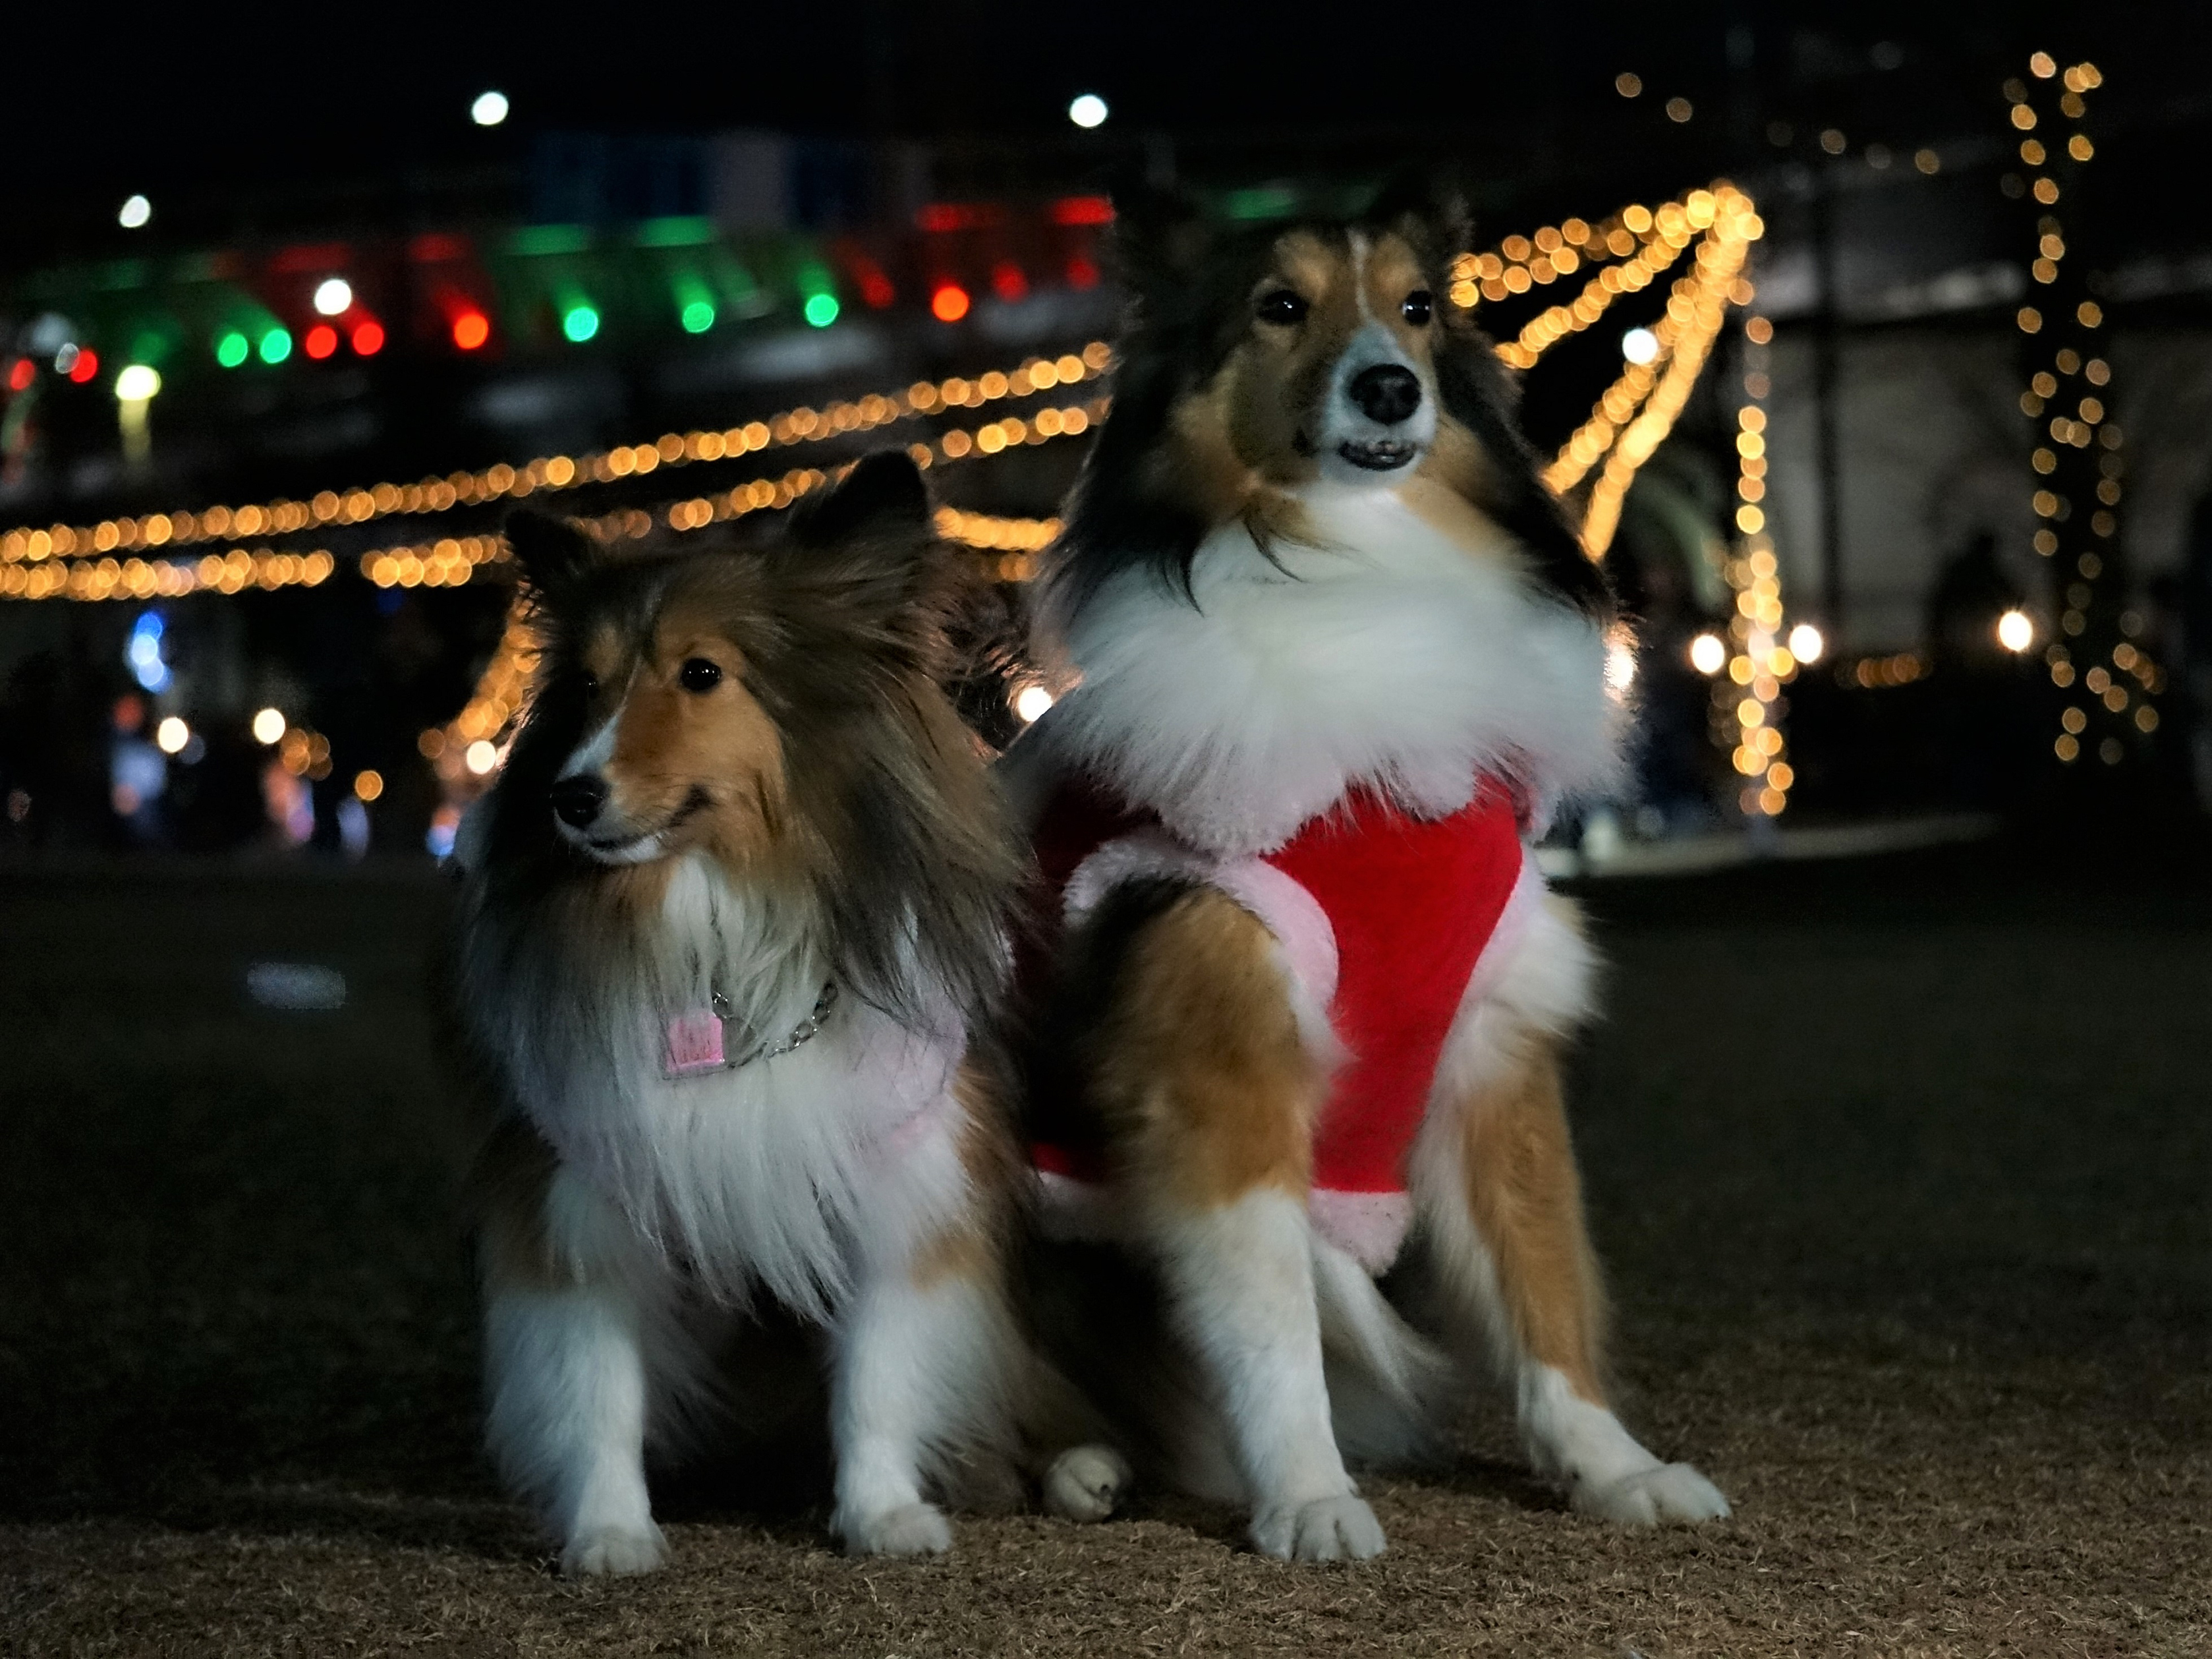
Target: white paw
[1085, 1482]
[614, 1550]
[910, 1529]
[1665, 1492]
[1326, 1529]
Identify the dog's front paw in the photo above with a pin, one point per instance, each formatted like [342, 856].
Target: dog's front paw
[1666, 1492]
[1326, 1529]
[614, 1550]
[910, 1529]
[1085, 1482]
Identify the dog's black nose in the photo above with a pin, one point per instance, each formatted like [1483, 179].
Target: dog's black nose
[1386, 394]
[576, 801]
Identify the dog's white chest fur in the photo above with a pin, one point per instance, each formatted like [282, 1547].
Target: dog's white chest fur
[1383, 653]
[780, 1171]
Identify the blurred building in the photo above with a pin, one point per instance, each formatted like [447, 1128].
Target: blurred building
[382, 375]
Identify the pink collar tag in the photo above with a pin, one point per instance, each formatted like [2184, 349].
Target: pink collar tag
[695, 1044]
[700, 1040]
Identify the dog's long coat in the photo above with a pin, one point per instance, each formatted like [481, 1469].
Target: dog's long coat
[1309, 574]
[734, 923]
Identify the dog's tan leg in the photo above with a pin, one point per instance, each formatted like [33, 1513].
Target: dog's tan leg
[567, 1296]
[1502, 1201]
[1209, 1090]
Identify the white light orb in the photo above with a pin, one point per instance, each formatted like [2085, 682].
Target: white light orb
[2015, 632]
[1030, 701]
[1806, 644]
[1639, 345]
[333, 296]
[172, 734]
[1708, 656]
[489, 109]
[269, 726]
[134, 213]
[1087, 111]
[136, 383]
[482, 757]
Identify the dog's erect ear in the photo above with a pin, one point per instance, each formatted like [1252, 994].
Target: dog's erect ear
[1427, 205]
[1160, 236]
[554, 554]
[883, 494]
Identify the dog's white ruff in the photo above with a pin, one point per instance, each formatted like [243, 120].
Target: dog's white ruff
[1389, 654]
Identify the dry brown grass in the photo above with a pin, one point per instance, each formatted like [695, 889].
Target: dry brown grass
[1899, 1168]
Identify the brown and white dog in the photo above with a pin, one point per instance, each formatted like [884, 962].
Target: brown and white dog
[733, 933]
[1336, 651]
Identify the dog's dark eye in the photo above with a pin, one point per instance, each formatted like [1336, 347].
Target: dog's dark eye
[1281, 308]
[1417, 307]
[698, 674]
[590, 682]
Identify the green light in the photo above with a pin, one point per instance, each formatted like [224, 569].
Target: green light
[1261, 202]
[580, 323]
[822, 309]
[233, 349]
[698, 317]
[276, 345]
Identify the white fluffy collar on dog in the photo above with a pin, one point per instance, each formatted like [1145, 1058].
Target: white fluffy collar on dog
[1388, 654]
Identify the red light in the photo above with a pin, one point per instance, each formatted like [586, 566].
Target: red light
[322, 340]
[939, 217]
[1008, 282]
[1083, 210]
[20, 374]
[431, 248]
[471, 330]
[876, 289]
[949, 304]
[86, 366]
[368, 338]
[293, 261]
[1081, 273]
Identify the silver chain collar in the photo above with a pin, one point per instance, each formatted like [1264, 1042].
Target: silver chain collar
[804, 1032]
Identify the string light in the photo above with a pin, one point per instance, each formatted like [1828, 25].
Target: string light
[1880, 673]
[511, 482]
[161, 578]
[1638, 411]
[1747, 700]
[2076, 460]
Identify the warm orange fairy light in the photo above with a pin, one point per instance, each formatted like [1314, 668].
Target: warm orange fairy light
[31, 545]
[471, 330]
[948, 302]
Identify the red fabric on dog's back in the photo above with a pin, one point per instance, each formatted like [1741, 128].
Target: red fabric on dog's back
[1411, 902]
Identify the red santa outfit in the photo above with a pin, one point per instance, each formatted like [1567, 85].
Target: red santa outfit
[1325, 733]
[1387, 922]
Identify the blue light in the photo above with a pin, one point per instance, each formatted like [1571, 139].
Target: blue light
[143, 653]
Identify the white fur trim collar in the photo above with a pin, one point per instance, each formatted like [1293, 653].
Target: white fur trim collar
[1392, 656]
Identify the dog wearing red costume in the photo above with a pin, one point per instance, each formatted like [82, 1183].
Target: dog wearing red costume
[1335, 654]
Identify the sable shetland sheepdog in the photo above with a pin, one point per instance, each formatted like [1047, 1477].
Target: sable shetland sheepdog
[732, 934]
[1337, 652]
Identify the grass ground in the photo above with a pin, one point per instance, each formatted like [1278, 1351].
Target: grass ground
[1900, 1168]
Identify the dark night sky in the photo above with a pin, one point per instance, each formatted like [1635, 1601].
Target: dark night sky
[191, 103]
